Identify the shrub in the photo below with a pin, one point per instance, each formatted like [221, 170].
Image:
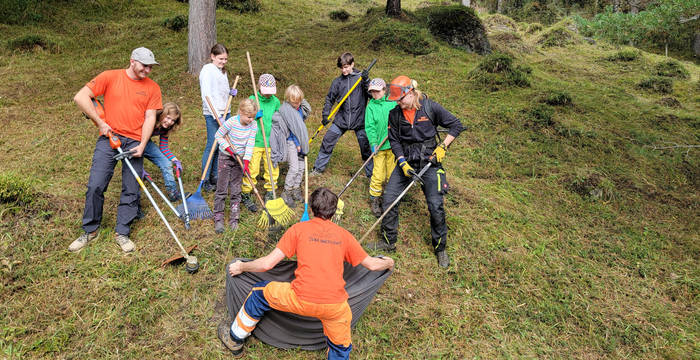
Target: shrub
[406, 37]
[31, 43]
[558, 98]
[176, 23]
[496, 71]
[671, 68]
[241, 6]
[339, 15]
[539, 11]
[15, 189]
[458, 25]
[624, 55]
[657, 84]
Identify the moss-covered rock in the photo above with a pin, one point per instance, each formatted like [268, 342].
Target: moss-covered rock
[671, 68]
[558, 35]
[499, 23]
[509, 42]
[657, 84]
[496, 71]
[458, 25]
[624, 55]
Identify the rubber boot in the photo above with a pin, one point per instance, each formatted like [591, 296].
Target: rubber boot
[375, 203]
[249, 202]
[288, 198]
[233, 217]
[219, 222]
[298, 196]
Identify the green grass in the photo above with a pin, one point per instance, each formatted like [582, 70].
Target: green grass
[540, 267]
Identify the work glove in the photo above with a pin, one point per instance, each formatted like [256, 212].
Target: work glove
[230, 151]
[408, 171]
[145, 174]
[365, 75]
[178, 165]
[245, 166]
[301, 156]
[259, 115]
[439, 154]
[233, 92]
[324, 120]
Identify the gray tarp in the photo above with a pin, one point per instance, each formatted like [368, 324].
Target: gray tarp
[288, 331]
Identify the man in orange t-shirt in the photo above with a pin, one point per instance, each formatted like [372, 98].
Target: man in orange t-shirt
[318, 289]
[131, 101]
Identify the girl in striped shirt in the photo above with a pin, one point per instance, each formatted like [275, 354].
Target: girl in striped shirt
[168, 120]
[241, 130]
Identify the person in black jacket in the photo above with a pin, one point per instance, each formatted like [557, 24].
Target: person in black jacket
[412, 132]
[350, 116]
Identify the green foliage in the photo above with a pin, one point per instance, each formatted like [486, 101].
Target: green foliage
[498, 22]
[458, 25]
[592, 185]
[19, 11]
[558, 35]
[242, 6]
[625, 55]
[339, 15]
[406, 37]
[543, 12]
[539, 116]
[671, 68]
[533, 28]
[558, 98]
[657, 84]
[496, 71]
[176, 23]
[15, 189]
[658, 25]
[670, 102]
[31, 43]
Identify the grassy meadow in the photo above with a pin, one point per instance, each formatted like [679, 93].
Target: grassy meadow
[573, 210]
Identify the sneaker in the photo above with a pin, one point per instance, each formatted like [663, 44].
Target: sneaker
[174, 195]
[208, 186]
[233, 224]
[297, 195]
[268, 196]
[219, 223]
[224, 332]
[125, 243]
[288, 199]
[248, 202]
[375, 203]
[443, 259]
[315, 172]
[80, 242]
[140, 214]
[381, 245]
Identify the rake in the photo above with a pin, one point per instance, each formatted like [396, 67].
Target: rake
[305, 216]
[196, 205]
[341, 205]
[276, 207]
[264, 221]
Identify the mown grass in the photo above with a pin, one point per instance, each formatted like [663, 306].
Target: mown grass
[539, 268]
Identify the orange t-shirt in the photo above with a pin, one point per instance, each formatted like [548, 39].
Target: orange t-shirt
[410, 115]
[321, 248]
[126, 100]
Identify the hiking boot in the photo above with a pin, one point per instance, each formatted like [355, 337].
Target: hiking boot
[209, 186]
[248, 202]
[375, 203]
[224, 332]
[381, 245]
[443, 259]
[288, 199]
[219, 222]
[233, 217]
[315, 172]
[139, 213]
[81, 241]
[125, 243]
[173, 195]
[297, 195]
[268, 196]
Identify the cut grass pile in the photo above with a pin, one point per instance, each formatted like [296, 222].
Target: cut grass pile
[573, 227]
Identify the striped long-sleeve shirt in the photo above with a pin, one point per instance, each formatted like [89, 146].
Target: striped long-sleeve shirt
[242, 137]
[164, 147]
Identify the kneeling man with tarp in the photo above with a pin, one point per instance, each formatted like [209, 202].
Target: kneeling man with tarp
[319, 289]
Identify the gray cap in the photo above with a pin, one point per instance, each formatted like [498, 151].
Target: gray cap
[144, 56]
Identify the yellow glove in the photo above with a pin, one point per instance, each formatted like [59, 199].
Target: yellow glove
[407, 169]
[439, 153]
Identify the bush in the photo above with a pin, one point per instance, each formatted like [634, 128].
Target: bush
[406, 37]
[496, 71]
[671, 68]
[542, 12]
[558, 98]
[339, 15]
[458, 25]
[241, 6]
[624, 55]
[15, 189]
[32, 43]
[657, 84]
[176, 23]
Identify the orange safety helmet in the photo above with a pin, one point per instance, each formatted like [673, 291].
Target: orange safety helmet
[399, 87]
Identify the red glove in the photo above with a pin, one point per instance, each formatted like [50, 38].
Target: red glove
[230, 151]
[245, 166]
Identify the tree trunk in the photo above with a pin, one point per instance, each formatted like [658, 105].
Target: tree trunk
[499, 8]
[696, 44]
[393, 8]
[201, 33]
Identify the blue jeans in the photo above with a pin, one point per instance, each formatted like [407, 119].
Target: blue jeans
[152, 152]
[212, 127]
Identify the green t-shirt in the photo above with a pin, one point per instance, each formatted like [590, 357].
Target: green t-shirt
[269, 106]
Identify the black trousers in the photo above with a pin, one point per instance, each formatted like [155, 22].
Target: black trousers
[331, 138]
[397, 183]
[101, 172]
